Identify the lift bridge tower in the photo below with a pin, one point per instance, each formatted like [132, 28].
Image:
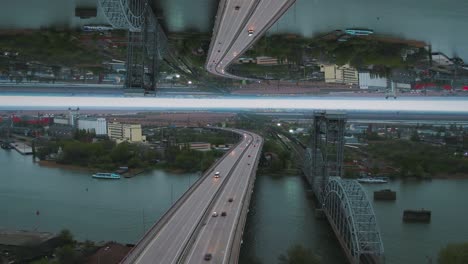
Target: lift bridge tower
[147, 42]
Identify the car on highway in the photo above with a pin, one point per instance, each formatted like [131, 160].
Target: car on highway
[251, 32]
[223, 214]
[215, 214]
[230, 200]
[249, 156]
[216, 175]
[208, 256]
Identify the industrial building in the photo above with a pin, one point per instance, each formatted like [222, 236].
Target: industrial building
[96, 125]
[125, 132]
[340, 74]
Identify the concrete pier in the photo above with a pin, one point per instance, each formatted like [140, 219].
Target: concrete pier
[22, 148]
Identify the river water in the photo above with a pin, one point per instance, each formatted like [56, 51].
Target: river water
[280, 215]
[440, 23]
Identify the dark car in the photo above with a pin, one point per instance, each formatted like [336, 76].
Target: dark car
[223, 214]
[208, 256]
[230, 200]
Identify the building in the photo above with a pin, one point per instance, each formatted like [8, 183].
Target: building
[96, 125]
[370, 81]
[263, 60]
[60, 121]
[340, 74]
[125, 132]
[73, 115]
[201, 146]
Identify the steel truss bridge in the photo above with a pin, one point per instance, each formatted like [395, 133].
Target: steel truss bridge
[147, 42]
[343, 202]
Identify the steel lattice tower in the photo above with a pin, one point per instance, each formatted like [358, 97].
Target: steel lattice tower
[147, 42]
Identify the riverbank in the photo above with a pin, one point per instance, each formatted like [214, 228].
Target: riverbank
[457, 176]
[52, 164]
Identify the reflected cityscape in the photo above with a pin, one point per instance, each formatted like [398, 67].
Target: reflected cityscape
[269, 131]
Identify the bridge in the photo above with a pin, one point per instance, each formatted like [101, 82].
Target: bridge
[343, 201]
[190, 231]
[147, 43]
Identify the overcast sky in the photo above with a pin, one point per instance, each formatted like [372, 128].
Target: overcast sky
[433, 104]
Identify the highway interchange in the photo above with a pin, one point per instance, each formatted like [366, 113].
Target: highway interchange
[188, 231]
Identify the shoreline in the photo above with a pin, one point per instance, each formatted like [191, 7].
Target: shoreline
[54, 164]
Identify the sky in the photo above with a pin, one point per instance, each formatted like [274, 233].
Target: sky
[429, 104]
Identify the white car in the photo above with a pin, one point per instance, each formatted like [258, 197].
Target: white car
[215, 214]
[251, 32]
[216, 174]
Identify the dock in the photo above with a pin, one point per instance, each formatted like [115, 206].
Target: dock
[385, 195]
[423, 216]
[22, 148]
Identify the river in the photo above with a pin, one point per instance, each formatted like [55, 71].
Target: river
[280, 215]
[439, 23]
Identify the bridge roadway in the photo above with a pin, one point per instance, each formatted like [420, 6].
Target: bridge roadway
[231, 37]
[188, 231]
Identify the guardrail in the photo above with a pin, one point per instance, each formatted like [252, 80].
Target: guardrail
[237, 239]
[192, 238]
[164, 219]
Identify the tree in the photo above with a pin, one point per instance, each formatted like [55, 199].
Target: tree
[68, 255]
[65, 237]
[297, 254]
[454, 254]
[415, 136]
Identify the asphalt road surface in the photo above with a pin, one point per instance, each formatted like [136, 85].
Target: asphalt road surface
[231, 38]
[166, 242]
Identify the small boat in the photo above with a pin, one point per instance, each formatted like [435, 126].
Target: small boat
[106, 175]
[359, 31]
[372, 180]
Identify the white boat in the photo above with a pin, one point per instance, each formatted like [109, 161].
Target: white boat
[106, 175]
[372, 180]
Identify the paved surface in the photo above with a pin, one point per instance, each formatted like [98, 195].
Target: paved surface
[230, 35]
[174, 234]
[217, 236]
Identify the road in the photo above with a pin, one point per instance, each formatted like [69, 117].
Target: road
[231, 36]
[172, 236]
[217, 236]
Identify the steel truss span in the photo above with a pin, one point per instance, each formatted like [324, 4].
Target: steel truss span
[125, 14]
[352, 218]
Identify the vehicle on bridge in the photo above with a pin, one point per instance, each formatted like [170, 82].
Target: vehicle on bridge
[216, 175]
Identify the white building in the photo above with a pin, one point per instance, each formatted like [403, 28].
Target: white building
[340, 74]
[96, 125]
[368, 81]
[125, 132]
[60, 121]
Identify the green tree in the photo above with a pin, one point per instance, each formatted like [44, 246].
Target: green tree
[65, 237]
[415, 136]
[68, 255]
[297, 254]
[454, 254]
